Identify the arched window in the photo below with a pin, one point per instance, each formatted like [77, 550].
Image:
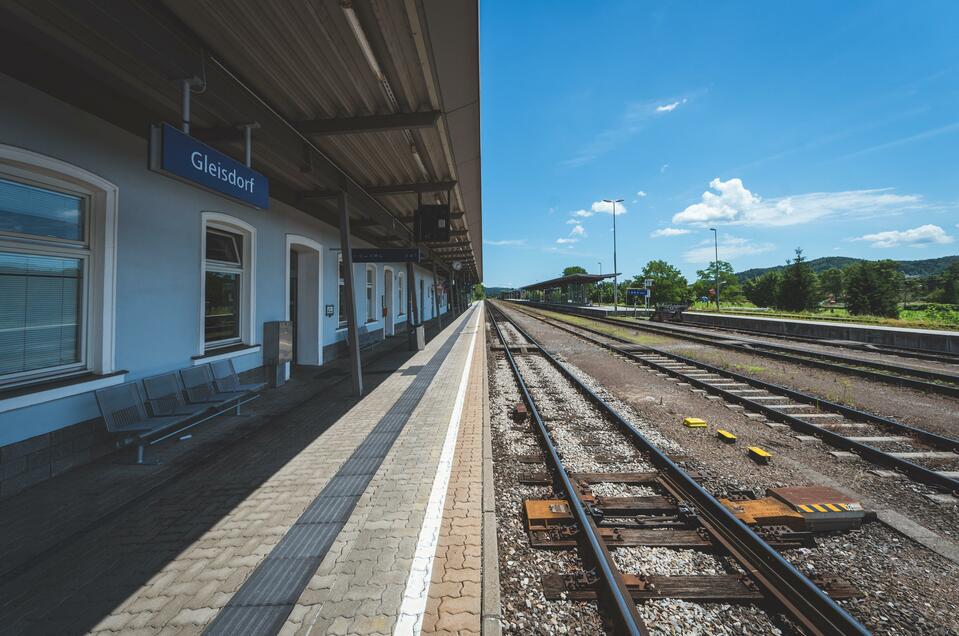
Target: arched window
[370, 293]
[57, 269]
[229, 257]
[342, 291]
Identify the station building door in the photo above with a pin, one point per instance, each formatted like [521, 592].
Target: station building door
[304, 300]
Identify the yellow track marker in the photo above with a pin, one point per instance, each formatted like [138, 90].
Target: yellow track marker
[694, 422]
[759, 455]
[726, 436]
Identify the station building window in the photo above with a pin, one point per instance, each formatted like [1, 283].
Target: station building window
[228, 254]
[370, 293]
[342, 292]
[401, 295]
[57, 269]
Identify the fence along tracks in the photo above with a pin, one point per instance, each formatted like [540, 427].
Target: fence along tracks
[911, 377]
[777, 580]
[767, 399]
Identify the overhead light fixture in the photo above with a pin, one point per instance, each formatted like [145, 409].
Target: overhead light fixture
[360, 35]
[419, 161]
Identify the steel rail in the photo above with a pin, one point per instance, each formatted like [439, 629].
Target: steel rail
[618, 596]
[839, 364]
[805, 602]
[921, 354]
[916, 472]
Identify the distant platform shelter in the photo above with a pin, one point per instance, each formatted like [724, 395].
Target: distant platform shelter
[572, 289]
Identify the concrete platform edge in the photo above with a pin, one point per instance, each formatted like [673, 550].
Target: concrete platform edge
[491, 620]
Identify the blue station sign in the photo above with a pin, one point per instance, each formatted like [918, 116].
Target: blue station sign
[386, 255]
[636, 291]
[177, 154]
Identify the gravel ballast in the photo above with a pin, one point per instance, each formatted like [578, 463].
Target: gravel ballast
[920, 585]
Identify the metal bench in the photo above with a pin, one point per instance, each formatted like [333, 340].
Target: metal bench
[227, 380]
[164, 394]
[200, 387]
[125, 413]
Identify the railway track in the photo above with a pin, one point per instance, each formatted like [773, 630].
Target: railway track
[683, 516]
[923, 456]
[919, 354]
[897, 375]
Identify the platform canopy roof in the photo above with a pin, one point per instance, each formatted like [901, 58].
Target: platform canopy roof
[377, 98]
[564, 281]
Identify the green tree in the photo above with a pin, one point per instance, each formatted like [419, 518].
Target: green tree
[602, 293]
[872, 288]
[669, 284]
[832, 283]
[574, 269]
[730, 289]
[764, 290]
[949, 281]
[479, 292]
[800, 285]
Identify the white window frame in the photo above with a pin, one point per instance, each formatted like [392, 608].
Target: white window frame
[234, 225]
[97, 252]
[370, 287]
[401, 305]
[341, 324]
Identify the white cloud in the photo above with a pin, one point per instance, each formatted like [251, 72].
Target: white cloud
[669, 231]
[664, 168]
[916, 237]
[566, 241]
[578, 230]
[668, 108]
[506, 242]
[607, 208]
[729, 247]
[732, 203]
[573, 221]
[598, 207]
[641, 194]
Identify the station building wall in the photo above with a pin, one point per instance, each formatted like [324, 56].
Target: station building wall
[157, 315]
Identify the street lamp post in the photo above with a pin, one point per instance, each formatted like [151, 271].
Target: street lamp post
[716, 263]
[600, 266]
[615, 268]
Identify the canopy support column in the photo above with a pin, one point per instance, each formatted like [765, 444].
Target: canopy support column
[352, 330]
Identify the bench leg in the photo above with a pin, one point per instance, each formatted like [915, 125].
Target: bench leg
[140, 454]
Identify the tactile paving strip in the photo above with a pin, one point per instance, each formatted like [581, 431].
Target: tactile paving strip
[265, 600]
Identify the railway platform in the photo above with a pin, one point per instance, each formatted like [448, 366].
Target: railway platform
[313, 513]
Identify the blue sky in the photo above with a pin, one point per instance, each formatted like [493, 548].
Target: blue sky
[830, 126]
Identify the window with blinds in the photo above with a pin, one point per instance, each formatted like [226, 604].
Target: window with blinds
[43, 266]
[224, 287]
[370, 293]
[342, 292]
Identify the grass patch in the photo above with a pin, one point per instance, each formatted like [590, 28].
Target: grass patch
[626, 333]
[930, 318]
[749, 368]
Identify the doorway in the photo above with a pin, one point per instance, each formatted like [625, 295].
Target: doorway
[422, 300]
[304, 299]
[388, 297]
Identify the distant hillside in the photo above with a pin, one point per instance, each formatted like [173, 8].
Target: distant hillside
[493, 292]
[926, 267]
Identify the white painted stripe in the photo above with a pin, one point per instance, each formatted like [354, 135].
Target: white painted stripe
[410, 620]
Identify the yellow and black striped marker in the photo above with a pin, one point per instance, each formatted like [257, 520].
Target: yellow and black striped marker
[836, 507]
[694, 422]
[726, 436]
[759, 455]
